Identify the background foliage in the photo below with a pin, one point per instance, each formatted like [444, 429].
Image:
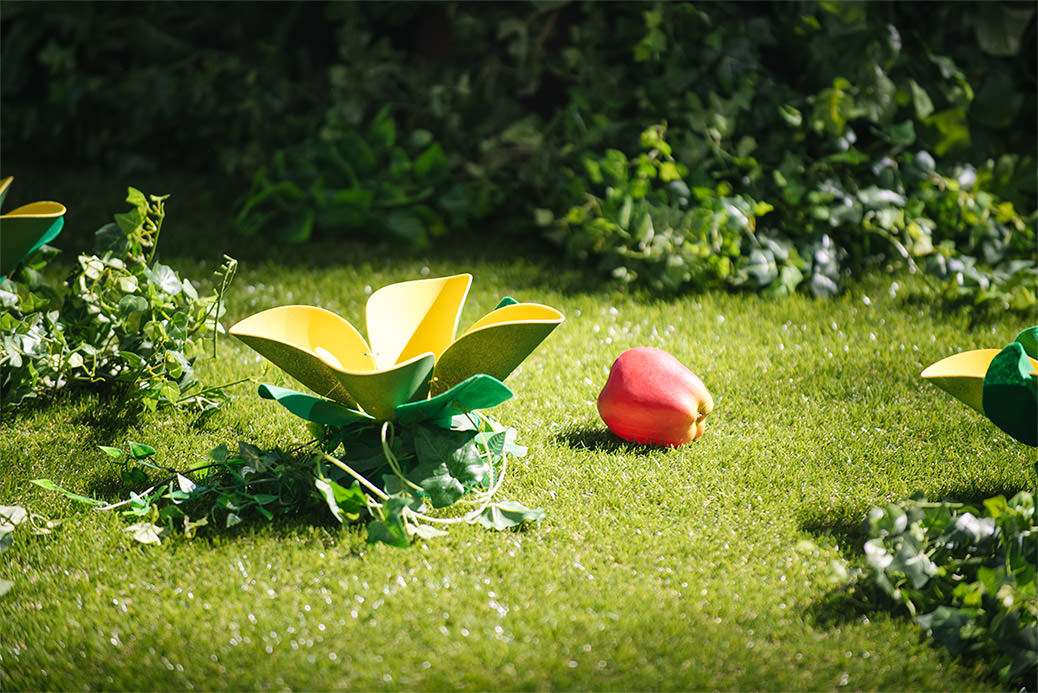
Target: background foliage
[803, 141]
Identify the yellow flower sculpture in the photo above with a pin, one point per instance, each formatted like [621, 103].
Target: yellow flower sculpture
[411, 361]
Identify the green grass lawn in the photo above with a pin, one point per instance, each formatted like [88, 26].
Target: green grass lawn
[705, 567]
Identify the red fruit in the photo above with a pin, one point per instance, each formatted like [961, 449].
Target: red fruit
[651, 397]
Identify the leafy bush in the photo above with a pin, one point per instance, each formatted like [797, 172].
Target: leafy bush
[121, 318]
[348, 181]
[966, 576]
[832, 137]
[870, 142]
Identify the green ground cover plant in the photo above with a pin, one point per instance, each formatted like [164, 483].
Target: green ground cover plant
[715, 565]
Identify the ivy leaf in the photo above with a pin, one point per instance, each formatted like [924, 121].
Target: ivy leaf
[140, 450]
[145, 532]
[390, 529]
[51, 486]
[10, 517]
[436, 480]
[449, 463]
[133, 477]
[507, 514]
[165, 278]
[407, 226]
[425, 531]
[114, 453]
[344, 503]
[110, 239]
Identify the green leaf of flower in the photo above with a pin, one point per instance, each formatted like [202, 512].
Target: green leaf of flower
[315, 409]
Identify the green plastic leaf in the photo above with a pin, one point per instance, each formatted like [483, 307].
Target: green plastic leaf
[311, 408]
[1029, 340]
[115, 453]
[24, 235]
[477, 392]
[507, 514]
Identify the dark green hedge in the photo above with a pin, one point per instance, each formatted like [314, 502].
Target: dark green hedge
[765, 146]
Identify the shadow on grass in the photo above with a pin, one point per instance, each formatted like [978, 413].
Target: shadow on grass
[599, 440]
[104, 410]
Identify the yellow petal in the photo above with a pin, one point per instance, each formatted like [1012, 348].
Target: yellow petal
[35, 210]
[496, 344]
[408, 319]
[308, 343]
[962, 375]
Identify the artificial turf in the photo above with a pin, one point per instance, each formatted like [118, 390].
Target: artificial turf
[708, 567]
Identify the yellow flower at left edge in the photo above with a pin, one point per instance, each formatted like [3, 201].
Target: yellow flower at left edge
[25, 229]
[411, 353]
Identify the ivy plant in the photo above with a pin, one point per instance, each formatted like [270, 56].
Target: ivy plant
[398, 482]
[121, 318]
[965, 575]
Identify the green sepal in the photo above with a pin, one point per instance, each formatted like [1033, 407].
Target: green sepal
[23, 237]
[1011, 394]
[315, 409]
[1029, 339]
[477, 392]
[506, 301]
